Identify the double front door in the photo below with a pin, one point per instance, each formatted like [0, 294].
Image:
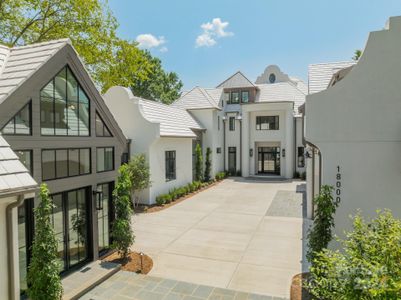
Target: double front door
[70, 220]
[269, 160]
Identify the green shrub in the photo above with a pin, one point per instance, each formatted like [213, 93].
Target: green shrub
[43, 274]
[168, 198]
[197, 185]
[368, 267]
[303, 175]
[160, 200]
[208, 164]
[320, 234]
[296, 174]
[198, 163]
[190, 188]
[173, 194]
[221, 176]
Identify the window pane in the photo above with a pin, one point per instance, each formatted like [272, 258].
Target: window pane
[82, 96]
[25, 156]
[61, 163]
[108, 156]
[60, 85]
[81, 224]
[99, 126]
[235, 97]
[9, 128]
[58, 225]
[73, 162]
[84, 166]
[245, 97]
[83, 119]
[46, 116]
[100, 159]
[72, 87]
[48, 90]
[48, 164]
[73, 121]
[60, 117]
[23, 121]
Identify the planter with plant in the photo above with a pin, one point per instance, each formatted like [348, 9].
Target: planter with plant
[319, 237]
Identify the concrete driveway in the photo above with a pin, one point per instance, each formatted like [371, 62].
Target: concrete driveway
[244, 235]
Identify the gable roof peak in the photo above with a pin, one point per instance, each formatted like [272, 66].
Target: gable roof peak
[238, 79]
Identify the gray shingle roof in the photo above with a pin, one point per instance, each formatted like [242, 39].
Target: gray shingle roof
[14, 177]
[199, 98]
[238, 80]
[174, 122]
[17, 64]
[320, 75]
[281, 92]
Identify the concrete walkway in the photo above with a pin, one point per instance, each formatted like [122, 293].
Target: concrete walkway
[244, 235]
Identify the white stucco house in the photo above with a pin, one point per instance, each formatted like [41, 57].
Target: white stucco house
[353, 129]
[16, 185]
[253, 129]
[165, 134]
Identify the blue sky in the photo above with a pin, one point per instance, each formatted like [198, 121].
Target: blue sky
[249, 35]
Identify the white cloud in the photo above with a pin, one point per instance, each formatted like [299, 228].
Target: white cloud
[163, 49]
[211, 32]
[147, 41]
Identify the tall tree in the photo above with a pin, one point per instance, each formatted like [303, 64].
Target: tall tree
[43, 274]
[91, 27]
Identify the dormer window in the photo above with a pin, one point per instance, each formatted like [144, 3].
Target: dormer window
[272, 78]
[234, 97]
[245, 96]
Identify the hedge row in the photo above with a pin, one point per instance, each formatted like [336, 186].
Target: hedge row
[177, 193]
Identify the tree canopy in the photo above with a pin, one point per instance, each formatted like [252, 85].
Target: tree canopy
[91, 27]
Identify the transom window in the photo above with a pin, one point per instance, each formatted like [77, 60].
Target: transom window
[101, 128]
[267, 123]
[170, 165]
[105, 159]
[21, 123]
[61, 163]
[64, 107]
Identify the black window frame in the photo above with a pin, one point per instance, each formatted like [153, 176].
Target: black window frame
[79, 88]
[218, 122]
[29, 104]
[242, 99]
[259, 122]
[68, 162]
[231, 123]
[170, 175]
[113, 161]
[104, 128]
[218, 150]
[30, 151]
[232, 98]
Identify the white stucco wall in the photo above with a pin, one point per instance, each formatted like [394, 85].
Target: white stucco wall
[356, 124]
[183, 148]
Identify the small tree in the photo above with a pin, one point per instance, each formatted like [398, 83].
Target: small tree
[368, 267]
[122, 233]
[208, 164]
[321, 233]
[139, 174]
[198, 163]
[44, 281]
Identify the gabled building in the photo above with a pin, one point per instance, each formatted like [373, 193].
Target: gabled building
[55, 120]
[353, 130]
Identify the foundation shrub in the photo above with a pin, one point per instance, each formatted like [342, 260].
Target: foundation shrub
[221, 176]
[303, 175]
[160, 200]
[174, 194]
[296, 174]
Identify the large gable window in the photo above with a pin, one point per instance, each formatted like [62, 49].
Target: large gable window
[101, 128]
[21, 123]
[64, 107]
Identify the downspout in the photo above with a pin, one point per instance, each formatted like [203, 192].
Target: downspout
[224, 143]
[10, 246]
[295, 145]
[240, 146]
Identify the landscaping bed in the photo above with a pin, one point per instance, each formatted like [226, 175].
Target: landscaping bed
[133, 263]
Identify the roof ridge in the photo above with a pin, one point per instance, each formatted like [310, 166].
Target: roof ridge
[33, 45]
[333, 62]
[5, 61]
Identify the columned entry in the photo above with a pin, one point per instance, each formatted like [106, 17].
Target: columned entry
[70, 220]
[269, 160]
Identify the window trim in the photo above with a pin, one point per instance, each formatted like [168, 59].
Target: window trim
[80, 86]
[29, 104]
[276, 118]
[68, 161]
[113, 162]
[231, 128]
[166, 174]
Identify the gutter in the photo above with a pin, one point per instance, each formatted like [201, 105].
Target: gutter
[10, 247]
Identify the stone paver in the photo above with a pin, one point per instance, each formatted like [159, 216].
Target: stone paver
[163, 289]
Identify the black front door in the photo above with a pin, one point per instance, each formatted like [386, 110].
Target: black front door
[105, 216]
[71, 224]
[269, 160]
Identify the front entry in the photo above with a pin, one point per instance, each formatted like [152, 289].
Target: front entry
[70, 220]
[269, 160]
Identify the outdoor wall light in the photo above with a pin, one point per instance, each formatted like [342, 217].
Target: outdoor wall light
[250, 152]
[224, 118]
[283, 153]
[98, 195]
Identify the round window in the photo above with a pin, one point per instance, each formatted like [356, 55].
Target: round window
[272, 78]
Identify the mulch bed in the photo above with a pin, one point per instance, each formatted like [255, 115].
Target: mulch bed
[154, 207]
[133, 263]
